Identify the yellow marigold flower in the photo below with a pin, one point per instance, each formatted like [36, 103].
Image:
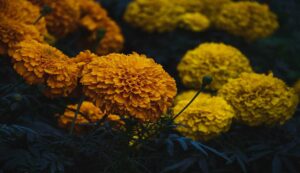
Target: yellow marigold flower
[132, 85]
[64, 16]
[88, 113]
[205, 118]
[40, 63]
[12, 32]
[217, 60]
[212, 8]
[165, 15]
[188, 95]
[94, 18]
[152, 16]
[194, 21]
[260, 99]
[249, 20]
[26, 13]
[297, 88]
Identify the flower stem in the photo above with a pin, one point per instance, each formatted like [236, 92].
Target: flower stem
[205, 81]
[76, 113]
[45, 10]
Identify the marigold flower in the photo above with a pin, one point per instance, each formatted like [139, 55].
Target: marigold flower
[40, 63]
[260, 99]
[249, 20]
[297, 88]
[12, 32]
[82, 59]
[132, 85]
[26, 13]
[64, 16]
[212, 8]
[217, 60]
[94, 18]
[62, 78]
[88, 113]
[194, 21]
[189, 95]
[163, 15]
[205, 118]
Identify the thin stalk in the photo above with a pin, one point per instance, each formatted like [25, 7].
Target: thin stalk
[76, 113]
[206, 80]
[190, 102]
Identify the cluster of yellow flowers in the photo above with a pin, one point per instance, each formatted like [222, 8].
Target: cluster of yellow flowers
[205, 118]
[88, 114]
[247, 97]
[250, 20]
[217, 60]
[260, 99]
[129, 85]
[165, 15]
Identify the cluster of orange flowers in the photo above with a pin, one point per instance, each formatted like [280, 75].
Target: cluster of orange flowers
[51, 19]
[117, 84]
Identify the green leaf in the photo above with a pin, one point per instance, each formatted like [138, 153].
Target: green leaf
[198, 147]
[182, 143]
[183, 163]
[170, 147]
[276, 165]
[215, 152]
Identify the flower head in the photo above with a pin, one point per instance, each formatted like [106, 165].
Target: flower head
[165, 15]
[88, 113]
[62, 78]
[212, 8]
[217, 60]
[82, 59]
[26, 13]
[249, 20]
[40, 63]
[194, 21]
[12, 32]
[64, 16]
[205, 118]
[95, 19]
[132, 85]
[260, 99]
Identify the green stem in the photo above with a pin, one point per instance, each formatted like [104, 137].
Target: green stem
[206, 80]
[45, 10]
[76, 114]
[38, 19]
[191, 101]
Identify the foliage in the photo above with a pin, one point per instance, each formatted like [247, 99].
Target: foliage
[31, 142]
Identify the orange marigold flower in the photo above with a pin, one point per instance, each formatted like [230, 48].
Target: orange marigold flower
[95, 19]
[40, 63]
[88, 113]
[132, 85]
[12, 32]
[62, 78]
[26, 13]
[64, 16]
[83, 58]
